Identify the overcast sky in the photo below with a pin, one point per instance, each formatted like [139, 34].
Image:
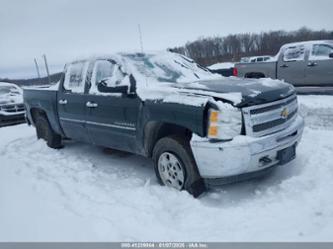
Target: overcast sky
[64, 29]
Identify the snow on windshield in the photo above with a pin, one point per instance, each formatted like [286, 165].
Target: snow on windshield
[156, 73]
[166, 67]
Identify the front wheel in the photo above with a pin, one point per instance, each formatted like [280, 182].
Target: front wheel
[45, 131]
[175, 166]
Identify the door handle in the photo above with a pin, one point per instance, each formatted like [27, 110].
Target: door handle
[284, 66]
[312, 64]
[91, 104]
[63, 102]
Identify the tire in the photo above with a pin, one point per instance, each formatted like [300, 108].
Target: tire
[45, 131]
[175, 166]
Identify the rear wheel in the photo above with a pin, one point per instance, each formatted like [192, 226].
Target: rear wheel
[175, 166]
[45, 131]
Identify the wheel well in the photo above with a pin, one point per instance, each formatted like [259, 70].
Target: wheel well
[36, 112]
[255, 75]
[154, 131]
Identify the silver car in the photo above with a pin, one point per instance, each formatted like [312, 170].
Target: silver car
[12, 109]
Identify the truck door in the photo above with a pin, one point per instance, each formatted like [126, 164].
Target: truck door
[111, 117]
[319, 70]
[71, 102]
[291, 65]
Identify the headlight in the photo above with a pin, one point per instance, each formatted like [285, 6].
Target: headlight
[225, 123]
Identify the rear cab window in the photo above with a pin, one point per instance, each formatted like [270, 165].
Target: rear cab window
[75, 77]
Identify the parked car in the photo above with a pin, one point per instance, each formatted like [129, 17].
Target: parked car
[199, 128]
[301, 64]
[11, 104]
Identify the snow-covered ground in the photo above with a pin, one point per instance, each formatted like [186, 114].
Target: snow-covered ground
[85, 193]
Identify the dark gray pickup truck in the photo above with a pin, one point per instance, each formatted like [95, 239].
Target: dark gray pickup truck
[301, 64]
[199, 128]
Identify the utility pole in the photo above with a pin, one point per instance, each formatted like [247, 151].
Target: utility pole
[47, 68]
[140, 37]
[37, 68]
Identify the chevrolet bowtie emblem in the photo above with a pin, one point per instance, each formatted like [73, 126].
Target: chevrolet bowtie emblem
[284, 113]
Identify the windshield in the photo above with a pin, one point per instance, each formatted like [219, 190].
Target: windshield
[8, 89]
[166, 67]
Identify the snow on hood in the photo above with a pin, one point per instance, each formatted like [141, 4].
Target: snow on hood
[10, 93]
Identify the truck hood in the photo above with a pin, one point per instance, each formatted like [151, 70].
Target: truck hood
[250, 91]
[7, 99]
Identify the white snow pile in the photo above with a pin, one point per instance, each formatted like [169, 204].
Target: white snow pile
[85, 193]
[318, 111]
[221, 65]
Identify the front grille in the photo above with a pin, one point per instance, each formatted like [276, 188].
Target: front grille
[268, 118]
[12, 108]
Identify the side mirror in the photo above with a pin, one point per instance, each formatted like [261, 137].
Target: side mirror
[103, 87]
[330, 55]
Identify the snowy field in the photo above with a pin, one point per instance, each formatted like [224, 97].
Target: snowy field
[85, 193]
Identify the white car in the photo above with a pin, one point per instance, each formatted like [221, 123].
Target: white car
[12, 109]
[256, 59]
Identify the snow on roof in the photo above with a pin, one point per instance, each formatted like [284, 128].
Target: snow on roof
[307, 43]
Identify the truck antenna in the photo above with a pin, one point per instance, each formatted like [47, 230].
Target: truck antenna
[141, 45]
[140, 37]
[37, 68]
[47, 68]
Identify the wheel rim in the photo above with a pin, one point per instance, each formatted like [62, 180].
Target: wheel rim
[171, 170]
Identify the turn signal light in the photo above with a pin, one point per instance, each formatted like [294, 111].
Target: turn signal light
[214, 116]
[212, 131]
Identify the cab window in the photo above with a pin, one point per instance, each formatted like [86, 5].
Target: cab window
[294, 53]
[75, 77]
[108, 71]
[260, 59]
[321, 52]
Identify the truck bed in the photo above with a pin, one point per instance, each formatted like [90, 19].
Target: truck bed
[44, 99]
[267, 68]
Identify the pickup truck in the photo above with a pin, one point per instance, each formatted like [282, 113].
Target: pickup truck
[301, 64]
[199, 128]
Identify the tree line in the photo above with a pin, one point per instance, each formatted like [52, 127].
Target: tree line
[210, 50]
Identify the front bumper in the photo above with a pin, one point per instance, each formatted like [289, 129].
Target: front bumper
[244, 157]
[13, 118]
